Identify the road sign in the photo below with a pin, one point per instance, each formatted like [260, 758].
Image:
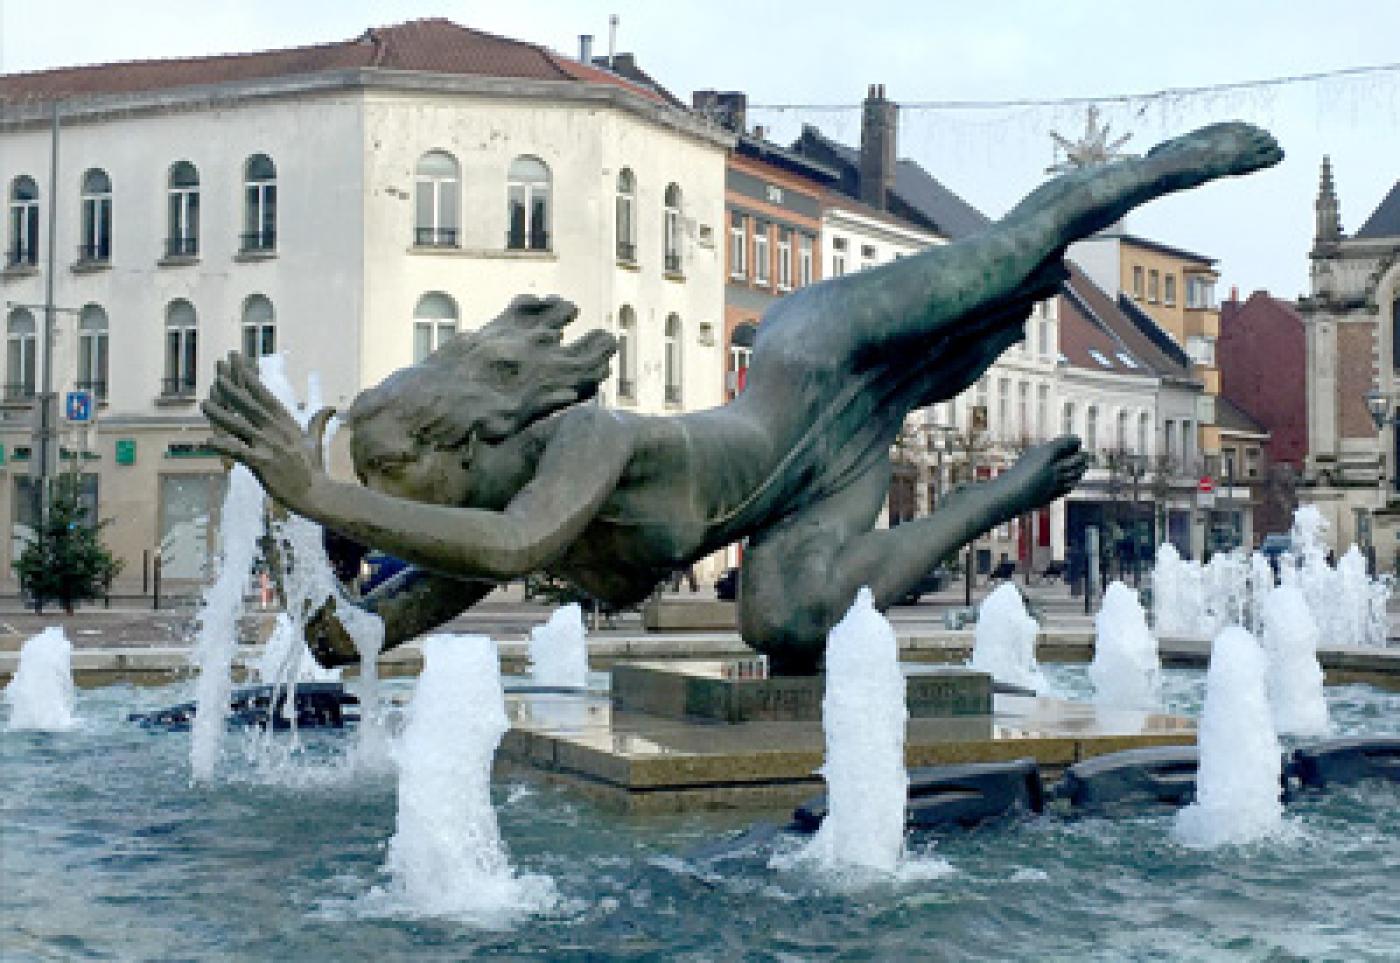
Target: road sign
[1206, 485]
[77, 406]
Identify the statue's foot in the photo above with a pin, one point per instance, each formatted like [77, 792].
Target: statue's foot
[1045, 473]
[1216, 151]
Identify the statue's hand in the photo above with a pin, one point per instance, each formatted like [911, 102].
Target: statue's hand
[327, 638]
[252, 427]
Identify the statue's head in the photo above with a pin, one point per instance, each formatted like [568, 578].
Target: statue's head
[420, 433]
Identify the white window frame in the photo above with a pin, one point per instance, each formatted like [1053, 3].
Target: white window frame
[21, 352]
[259, 329]
[259, 204]
[784, 259]
[804, 260]
[672, 370]
[437, 190]
[435, 320]
[672, 235]
[182, 211]
[761, 259]
[625, 216]
[23, 250]
[181, 350]
[738, 247]
[627, 354]
[93, 351]
[96, 218]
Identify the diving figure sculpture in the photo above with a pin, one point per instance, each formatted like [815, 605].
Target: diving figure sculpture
[480, 464]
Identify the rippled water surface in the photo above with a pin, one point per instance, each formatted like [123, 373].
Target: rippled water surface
[109, 853]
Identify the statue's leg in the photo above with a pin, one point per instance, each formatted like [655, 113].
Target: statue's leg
[941, 291]
[799, 578]
[412, 602]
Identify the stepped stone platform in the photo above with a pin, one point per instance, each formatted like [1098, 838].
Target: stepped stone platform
[645, 762]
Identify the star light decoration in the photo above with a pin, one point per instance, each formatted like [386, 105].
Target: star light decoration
[1092, 149]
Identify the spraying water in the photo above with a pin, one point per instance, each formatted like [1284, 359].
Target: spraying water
[447, 858]
[863, 717]
[1237, 784]
[1004, 643]
[216, 638]
[285, 657]
[1295, 679]
[41, 694]
[1126, 670]
[558, 650]
[1177, 602]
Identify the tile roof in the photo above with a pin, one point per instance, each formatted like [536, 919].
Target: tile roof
[1231, 417]
[918, 195]
[1385, 219]
[1095, 307]
[433, 45]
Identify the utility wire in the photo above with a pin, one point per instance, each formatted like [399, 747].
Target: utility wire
[1165, 92]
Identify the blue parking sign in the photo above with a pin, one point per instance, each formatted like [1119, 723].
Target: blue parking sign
[78, 406]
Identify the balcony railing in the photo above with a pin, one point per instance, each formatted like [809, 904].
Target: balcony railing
[534, 241]
[180, 386]
[627, 251]
[181, 247]
[673, 262]
[435, 237]
[98, 388]
[255, 241]
[22, 257]
[19, 391]
[98, 253]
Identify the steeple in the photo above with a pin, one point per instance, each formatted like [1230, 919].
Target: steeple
[1329, 221]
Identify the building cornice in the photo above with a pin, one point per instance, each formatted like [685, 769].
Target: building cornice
[16, 117]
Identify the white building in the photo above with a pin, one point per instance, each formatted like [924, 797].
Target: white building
[350, 205]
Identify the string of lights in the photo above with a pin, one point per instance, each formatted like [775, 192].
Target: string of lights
[1144, 98]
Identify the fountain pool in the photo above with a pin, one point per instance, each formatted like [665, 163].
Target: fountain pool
[109, 851]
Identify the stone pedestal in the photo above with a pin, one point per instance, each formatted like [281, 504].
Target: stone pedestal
[705, 690]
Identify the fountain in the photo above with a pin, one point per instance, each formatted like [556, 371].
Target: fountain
[1290, 638]
[446, 857]
[1126, 670]
[558, 650]
[1004, 642]
[863, 718]
[1237, 783]
[1177, 605]
[40, 695]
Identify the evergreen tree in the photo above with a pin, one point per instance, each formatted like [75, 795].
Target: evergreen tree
[65, 560]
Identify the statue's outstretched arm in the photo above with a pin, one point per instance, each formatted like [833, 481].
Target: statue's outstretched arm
[576, 474]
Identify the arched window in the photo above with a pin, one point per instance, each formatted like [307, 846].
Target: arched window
[181, 350]
[436, 187]
[527, 205]
[1144, 429]
[627, 354]
[626, 223]
[1091, 430]
[96, 244]
[434, 321]
[1067, 428]
[673, 359]
[92, 351]
[259, 204]
[23, 250]
[21, 348]
[673, 228]
[183, 197]
[259, 327]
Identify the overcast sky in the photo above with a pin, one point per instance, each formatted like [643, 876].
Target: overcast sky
[825, 53]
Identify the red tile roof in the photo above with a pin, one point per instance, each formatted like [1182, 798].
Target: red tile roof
[433, 45]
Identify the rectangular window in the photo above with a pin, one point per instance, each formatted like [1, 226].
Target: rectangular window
[1251, 462]
[1169, 290]
[1004, 425]
[785, 260]
[804, 261]
[1042, 411]
[1043, 328]
[1137, 283]
[838, 256]
[867, 254]
[1152, 283]
[760, 252]
[738, 249]
[1023, 406]
[188, 523]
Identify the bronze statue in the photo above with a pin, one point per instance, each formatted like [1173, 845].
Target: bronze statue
[480, 464]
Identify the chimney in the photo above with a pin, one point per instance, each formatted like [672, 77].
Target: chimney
[879, 126]
[1329, 219]
[585, 48]
[728, 108]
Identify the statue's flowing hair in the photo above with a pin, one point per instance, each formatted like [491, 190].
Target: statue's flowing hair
[490, 383]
